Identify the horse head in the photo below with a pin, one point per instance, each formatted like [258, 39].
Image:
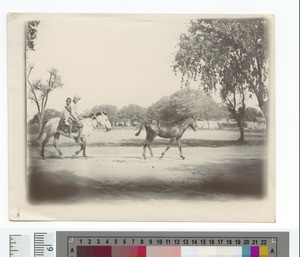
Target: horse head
[102, 120]
[193, 123]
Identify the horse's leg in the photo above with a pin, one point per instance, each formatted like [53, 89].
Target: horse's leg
[77, 152]
[179, 147]
[144, 148]
[81, 149]
[55, 144]
[150, 149]
[168, 147]
[45, 141]
[146, 141]
[149, 138]
[83, 146]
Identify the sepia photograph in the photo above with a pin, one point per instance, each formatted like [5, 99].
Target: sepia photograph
[141, 117]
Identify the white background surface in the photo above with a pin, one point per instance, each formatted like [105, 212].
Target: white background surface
[287, 108]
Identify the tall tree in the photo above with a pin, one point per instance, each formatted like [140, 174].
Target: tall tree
[38, 91]
[230, 54]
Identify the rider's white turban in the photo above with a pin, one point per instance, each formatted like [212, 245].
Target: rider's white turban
[77, 97]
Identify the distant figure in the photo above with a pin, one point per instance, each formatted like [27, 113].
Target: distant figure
[76, 117]
[68, 119]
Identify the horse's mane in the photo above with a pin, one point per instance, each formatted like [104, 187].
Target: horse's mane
[177, 120]
[99, 113]
[88, 116]
[183, 119]
[93, 114]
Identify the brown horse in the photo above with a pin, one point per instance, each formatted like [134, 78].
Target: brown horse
[166, 129]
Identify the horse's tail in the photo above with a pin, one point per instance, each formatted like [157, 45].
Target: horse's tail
[137, 133]
[38, 139]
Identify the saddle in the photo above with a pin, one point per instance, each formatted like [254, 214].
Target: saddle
[66, 128]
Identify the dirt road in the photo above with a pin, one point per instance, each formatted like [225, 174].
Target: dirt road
[216, 167]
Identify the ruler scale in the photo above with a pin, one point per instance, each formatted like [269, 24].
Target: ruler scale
[43, 244]
[19, 245]
[149, 244]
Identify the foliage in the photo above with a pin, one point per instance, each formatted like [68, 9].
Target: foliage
[33, 124]
[229, 54]
[163, 109]
[220, 52]
[110, 110]
[49, 114]
[252, 114]
[31, 34]
[38, 91]
[183, 103]
[133, 113]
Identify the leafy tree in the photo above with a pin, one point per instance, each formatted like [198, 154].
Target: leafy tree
[233, 94]
[38, 91]
[183, 103]
[31, 34]
[110, 110]
[133, 113]
[48, 114]
[163, 109]
[252, 114]
[228, 54]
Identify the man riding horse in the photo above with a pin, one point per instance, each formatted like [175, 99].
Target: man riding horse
[75, 117]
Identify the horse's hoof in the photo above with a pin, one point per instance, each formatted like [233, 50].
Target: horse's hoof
[61, 157]
[182, 157]
[85, 156]
[144, 157]
[43, 158]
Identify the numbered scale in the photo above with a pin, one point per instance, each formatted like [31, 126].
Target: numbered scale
[22, 245]
[177, 244]
[150, 244]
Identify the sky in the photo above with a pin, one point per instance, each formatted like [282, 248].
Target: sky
[116, 59]
[109, 59]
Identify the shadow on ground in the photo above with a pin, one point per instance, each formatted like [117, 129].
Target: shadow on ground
[234, 180]
[163, 142]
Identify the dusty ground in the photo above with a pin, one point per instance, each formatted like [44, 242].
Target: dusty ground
[216, 167]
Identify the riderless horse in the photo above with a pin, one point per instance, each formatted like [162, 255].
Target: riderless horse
[56, 127]
[166, 129]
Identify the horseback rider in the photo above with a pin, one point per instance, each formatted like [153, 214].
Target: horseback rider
[68, 119]
[76, 117]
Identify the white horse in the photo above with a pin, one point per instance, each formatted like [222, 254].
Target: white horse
[50, 127]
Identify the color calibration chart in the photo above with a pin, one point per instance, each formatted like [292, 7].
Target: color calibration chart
[175, 244]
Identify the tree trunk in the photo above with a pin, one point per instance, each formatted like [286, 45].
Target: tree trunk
[241, 124]
[207, 124]
[263, 105]
[41, 119]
